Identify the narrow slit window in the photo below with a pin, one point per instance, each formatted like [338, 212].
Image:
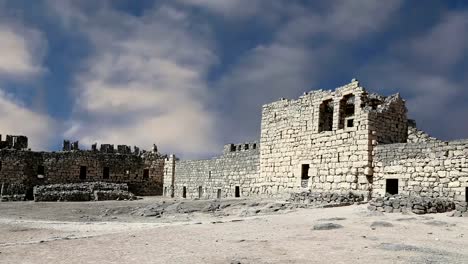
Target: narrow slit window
[184, 192]
[219, 194]
[200, 192]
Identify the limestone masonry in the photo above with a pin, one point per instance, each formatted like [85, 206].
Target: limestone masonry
[342, 145]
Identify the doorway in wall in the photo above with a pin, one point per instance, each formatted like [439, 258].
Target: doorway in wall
[219, 194]
[200, 192]
[305, 175]
[391, 186]
[237, 192]
[184, 192]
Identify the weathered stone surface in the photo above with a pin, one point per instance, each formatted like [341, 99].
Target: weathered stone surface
[89, 191]
[327, 226]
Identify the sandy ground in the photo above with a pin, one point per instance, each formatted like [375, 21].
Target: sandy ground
[244, 231]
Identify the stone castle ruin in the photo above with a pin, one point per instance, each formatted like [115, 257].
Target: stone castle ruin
[341, 145]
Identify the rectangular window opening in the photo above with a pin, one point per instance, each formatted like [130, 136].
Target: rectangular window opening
[146, 174]
[219, 194]
[237, 192]
[40, 170]
[254, 146]
[209, 175]
[184, 192]
[200, 192]
[165, 191]
[83, 171]
[350, 123]
[391, 186]
[106, 173]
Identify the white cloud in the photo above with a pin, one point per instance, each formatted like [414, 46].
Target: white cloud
[303, 49]
[422, 67]
[21, 51]
[145, 83]
[16, 119]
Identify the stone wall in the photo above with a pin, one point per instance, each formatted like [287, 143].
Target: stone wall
[427, 169]
[218, 177]
[87, 191]
[28, 169]
[296, 135]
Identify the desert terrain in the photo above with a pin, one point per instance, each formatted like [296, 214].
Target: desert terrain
[161, 230]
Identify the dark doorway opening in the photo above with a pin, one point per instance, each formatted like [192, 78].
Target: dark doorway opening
[106, 173]
[145, 174]
[237, 192]
[305, 175]
[200, 192]
[391, 186]
[165, 191]
[219, 194]
[40, 170]
[30, 194]
[184, 192]
[83, 172]
[466, 194]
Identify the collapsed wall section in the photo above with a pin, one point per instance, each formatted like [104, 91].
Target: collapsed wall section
[233, 174]
[427, 169]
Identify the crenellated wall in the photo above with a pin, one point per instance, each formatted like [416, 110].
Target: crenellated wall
[27, 169]
[217, 177]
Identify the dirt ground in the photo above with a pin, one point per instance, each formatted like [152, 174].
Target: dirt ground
[158, 230]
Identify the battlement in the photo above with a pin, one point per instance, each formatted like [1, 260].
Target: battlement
[14, 142]
[247, 146]
[107, 148]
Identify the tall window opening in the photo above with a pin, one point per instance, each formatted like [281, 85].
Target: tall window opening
[40, 170]
[200, 192]
[219, 194]
[237, 192]
[184, 192]
[305, 175]
[106, 173]
[347, 109]
[326, 116]
[83, 172]
[391, 186]
[146, 174]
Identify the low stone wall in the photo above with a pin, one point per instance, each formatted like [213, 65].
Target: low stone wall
[88, 191]
[12, 192]
[415, 204]
[324, 198]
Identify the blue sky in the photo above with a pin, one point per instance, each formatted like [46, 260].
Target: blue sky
[191, 75]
